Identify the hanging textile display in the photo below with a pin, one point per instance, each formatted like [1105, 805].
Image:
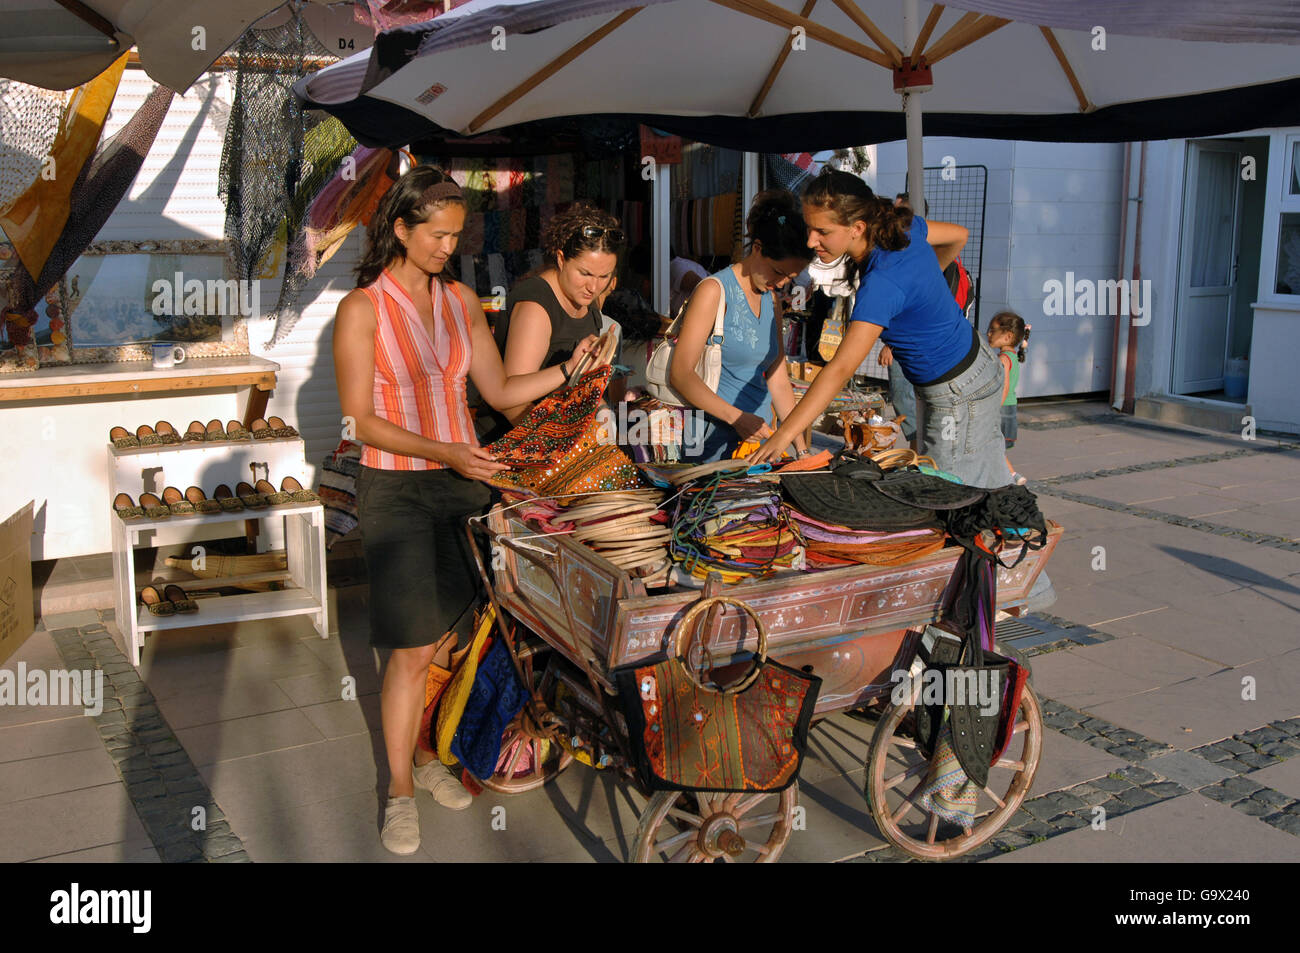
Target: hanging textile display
[34, 219]
[262, 157]
[29, 123]
[325, 148]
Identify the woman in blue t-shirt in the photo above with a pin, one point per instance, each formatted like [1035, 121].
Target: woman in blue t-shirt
[902, 298]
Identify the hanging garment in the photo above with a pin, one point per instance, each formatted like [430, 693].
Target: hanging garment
[34, 220]
[29, 124]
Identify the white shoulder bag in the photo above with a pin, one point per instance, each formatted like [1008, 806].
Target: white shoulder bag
[709, 366]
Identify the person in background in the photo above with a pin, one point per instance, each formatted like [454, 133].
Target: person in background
[754, 375]
[903, 299]
[548, 313]
[1009, 334]
[683, 275]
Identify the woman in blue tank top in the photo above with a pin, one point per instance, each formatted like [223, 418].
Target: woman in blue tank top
[754, 379]
[903, 299]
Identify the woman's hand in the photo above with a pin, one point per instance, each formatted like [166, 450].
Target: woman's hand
[470, 461]
[886, 356]
[770, 452]
[751, 427]
[584, 347]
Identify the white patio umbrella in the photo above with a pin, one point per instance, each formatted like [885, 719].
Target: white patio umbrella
[59, 44]
[794, 75]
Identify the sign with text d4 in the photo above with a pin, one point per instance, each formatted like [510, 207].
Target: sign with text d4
[17, 619]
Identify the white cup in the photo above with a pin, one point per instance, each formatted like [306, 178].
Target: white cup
[167, 355]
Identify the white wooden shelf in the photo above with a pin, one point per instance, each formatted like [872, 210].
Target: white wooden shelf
[223, 609]
[208, 465]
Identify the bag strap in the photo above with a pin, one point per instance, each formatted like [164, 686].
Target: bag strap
[689, 623]
[718, 319]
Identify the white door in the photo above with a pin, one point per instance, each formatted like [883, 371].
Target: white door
[1208, 264]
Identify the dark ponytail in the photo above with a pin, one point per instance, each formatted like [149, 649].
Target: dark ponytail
[850, 200]
[1015, 325]
[776, 222]
[402, 200]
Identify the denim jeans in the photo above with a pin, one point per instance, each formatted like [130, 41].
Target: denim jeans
[903, 396]
[962, 423]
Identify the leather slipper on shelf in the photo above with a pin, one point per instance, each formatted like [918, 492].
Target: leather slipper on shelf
[156, 603]
[176, 502]
[168, 433]
[250, 497]
[153, 507]
[227, 500]
[126, 508]
[261, 429]
[236, 431]
[273, 496]
[296, 492]
[177, 597]
[214, 431]
[194, 433]
[201, 503]
[123, 439]
[147, 437]
[280, 429]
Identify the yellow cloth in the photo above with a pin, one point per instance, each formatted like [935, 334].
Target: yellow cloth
[455, 696]
[36, 219]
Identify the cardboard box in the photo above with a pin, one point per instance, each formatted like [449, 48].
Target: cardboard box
[17, 620]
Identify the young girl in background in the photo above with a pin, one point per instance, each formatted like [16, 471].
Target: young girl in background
[1009, 335]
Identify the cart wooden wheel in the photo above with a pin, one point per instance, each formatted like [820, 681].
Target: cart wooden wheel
[530, 755]
[896, 770]
[706, 828]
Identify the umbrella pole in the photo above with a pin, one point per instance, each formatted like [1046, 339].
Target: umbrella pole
[912, 112]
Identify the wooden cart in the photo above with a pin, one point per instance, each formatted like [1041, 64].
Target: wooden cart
[570, 618]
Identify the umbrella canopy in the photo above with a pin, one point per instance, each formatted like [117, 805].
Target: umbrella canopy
[787, 75]
[59, 44]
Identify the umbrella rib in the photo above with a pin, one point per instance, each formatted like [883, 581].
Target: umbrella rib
[550, 69]
[878, 37]
[950, 37]
[974, 32]
[1084, 104]
[762, 10]
[931, 22]
[88, 16]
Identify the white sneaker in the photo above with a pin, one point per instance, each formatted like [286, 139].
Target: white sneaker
[445, 789]
[401, 833]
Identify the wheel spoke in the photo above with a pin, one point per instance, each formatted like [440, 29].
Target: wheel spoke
[683, 855]
[1018, 765]
[689, 818]
[759, 819]
[1020, 726]
[907, 802]
[747, 805]
[934, 827]
[727, 858]
[730, 801]
[675, 840]
[996, 800]
[903, 742]
[514, 757]
[911, 772]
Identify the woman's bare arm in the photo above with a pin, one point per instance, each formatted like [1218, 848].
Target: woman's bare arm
[947, 240]
[527, 344]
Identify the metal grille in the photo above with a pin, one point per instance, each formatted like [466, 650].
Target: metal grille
[959, 194]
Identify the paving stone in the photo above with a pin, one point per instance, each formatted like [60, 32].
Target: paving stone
[1252, 807]
[186, 786]
[1079, 734]
[110, 718]
[1291, 727]
[1071, 822]
[164, 747]
[221, 845]
[1212, 753]
[239, 857]
[1091, 797]
[146, 790]
[1279, 749]
[1137, 797]
[150, 735]
[1164, 789]
[174, 831]
[1261, 735]
[112, 703]
[114, 668]
[170, 758]
[108, 615]
[175, 772]
[1012, 840]
[1060, 722]
[1152, 747]
[1127, 752]
[140, 776]
[1066, 801]
[1243, 787]
[1286, 822]
[92, 629]
[1235, 766]
[182, 853]
[1038, 829]
[135, 763]
[1113, 785]
[1234, 746]
[218, 828]
[1188, 770]
[1256, 760]
[1136, 775]
[1273, 798]
[1042, 808]
[1217, 792]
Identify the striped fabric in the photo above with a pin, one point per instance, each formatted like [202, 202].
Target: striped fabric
[419, 383]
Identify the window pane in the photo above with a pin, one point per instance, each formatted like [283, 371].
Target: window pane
[1288, 255]
[1294, 187]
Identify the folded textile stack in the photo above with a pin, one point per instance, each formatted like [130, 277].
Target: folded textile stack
[830, 546]
[734, 527]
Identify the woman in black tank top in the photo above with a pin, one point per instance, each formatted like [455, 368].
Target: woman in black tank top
[550, 312]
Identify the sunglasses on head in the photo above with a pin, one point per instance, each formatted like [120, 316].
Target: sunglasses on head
[615, 236]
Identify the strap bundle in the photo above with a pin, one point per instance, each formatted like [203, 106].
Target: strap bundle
[736, 528]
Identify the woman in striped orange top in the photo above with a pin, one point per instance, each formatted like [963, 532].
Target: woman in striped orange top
[404, 342]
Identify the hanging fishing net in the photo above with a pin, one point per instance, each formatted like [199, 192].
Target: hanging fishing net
[29, 124]
[262, 157]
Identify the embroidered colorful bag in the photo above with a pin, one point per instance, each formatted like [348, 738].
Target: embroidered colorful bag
[689, 736]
